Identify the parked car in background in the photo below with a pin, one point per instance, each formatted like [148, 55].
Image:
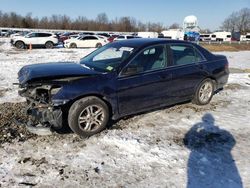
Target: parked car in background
[125, 37]
[147, 34]
[86, 41]
[112, 37]
[4, 32]
[120, 79]
[86, 33]
[104, 34]
[64, 36]
[74, 36]
[36, 39]
[176, 34]
[19, 33]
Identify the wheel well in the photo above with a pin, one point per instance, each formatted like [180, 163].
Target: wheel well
[213, 79]
[70, 103]
[49, 41]
[97, 44]
[20, 41]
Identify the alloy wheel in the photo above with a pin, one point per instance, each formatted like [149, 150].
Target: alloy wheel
[206, 91]
[91, 118]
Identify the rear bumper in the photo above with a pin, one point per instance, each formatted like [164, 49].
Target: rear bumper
[222, 81]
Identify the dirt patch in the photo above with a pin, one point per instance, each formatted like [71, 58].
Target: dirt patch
[234, 86]
[2, 91]
[194, 108]
[226, 47]
[12, 123]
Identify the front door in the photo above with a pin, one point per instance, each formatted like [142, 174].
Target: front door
[144, 82]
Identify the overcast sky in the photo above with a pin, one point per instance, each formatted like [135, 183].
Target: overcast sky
[210, 13]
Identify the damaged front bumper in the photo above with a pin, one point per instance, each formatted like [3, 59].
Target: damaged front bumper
[43, 118]
[43, 113]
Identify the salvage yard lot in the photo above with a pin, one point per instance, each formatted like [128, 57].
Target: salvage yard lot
[146, 150]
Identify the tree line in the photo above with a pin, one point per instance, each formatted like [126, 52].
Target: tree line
[238, 21]
[64, 22]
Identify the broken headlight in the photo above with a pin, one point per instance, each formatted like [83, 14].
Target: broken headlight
[54, 90]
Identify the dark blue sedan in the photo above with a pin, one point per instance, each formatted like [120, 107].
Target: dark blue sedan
[120, 79]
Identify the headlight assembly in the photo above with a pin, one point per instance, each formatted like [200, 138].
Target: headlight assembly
[55, 90]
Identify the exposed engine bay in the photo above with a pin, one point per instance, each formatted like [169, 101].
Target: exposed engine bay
[40, 108]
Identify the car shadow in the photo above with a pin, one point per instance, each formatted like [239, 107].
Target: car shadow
[211, 163]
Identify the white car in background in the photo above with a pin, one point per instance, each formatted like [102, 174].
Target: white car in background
[42, 39]
[125, 37]
[86, 41]
[148, 34]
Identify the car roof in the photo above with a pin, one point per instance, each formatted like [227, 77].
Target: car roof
[141, 42]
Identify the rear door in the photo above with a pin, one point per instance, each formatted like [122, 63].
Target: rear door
[42, 38]
[186, 68]
[88, 42]
[144, 82]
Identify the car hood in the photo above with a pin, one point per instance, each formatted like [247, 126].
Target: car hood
[52, 71]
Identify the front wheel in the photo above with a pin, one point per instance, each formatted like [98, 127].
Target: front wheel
[49, 45]
[88, 116]
[20, 45]
[204, 92]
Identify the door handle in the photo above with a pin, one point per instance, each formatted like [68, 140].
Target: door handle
[166, 76]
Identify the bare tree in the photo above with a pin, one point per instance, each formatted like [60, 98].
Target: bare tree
[101, 23]
[174, 26]
[237, 21]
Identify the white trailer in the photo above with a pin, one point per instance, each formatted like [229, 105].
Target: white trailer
[245, 37]
[176, 34]
[221, 36]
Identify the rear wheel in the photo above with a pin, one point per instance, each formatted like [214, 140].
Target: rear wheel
[49, 45]
[204, 92]
[88, 116]
[20, 44]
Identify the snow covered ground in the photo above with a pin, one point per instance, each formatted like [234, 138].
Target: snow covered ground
[180, 146]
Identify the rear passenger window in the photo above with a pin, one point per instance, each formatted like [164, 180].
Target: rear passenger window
[184, 54]
[130, 37]
[44, 34]
[90, 38]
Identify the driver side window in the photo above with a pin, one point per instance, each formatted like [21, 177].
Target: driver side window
[150, 59]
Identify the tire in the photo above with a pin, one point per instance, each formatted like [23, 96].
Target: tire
[73, 45]
[204, 92]
[49, 45]
[98, 45]
[20, 45]
[88, 116]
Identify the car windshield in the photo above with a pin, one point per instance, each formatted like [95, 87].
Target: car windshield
[107, 58]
